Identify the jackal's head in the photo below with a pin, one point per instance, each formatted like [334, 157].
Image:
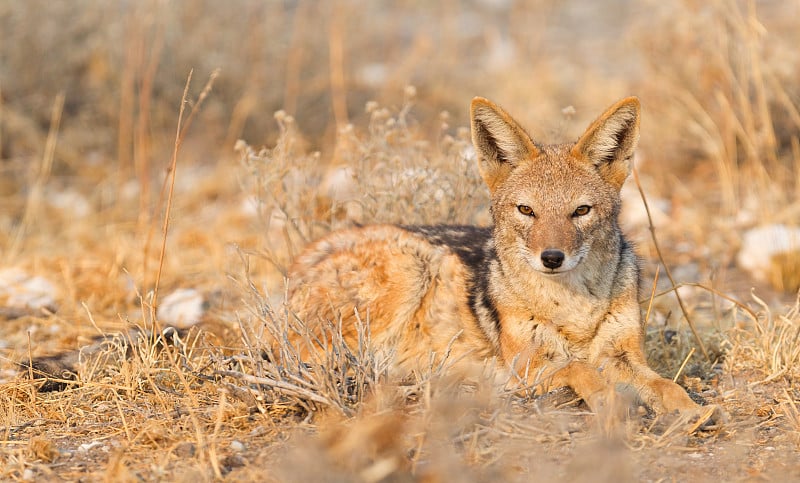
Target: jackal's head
[554, 206]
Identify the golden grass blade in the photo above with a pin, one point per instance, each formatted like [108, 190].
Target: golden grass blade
[666, 267]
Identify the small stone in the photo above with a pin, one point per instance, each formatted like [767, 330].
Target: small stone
[771, 253]
[86, 447]
[182, 308]
[185, 450]
[230, 462]
[21, 290]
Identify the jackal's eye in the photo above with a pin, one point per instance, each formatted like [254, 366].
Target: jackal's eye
[582, 210]
[526, 210]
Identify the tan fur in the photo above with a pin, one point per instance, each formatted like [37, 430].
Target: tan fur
[552, 291]
[411, 293]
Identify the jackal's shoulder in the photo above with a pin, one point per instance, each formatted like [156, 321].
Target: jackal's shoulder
[475, 248]
[468, 242]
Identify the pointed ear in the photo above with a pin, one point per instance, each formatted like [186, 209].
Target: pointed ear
[500, 142]
[609, 142]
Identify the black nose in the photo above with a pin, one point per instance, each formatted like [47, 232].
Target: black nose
[552, 259]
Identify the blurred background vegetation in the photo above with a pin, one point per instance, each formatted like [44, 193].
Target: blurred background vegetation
[717, 79]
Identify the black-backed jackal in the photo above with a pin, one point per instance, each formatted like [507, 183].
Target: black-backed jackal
[550, 289]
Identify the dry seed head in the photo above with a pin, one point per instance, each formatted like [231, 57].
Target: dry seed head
[379, 115]
[43, 449]
[784, 271]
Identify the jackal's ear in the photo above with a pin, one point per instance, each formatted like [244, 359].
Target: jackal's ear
[609, 142]
[500, 142]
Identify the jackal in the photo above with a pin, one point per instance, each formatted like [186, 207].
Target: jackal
[550, 289]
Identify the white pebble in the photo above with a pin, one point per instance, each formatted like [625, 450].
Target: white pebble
[86, 447]
[762, 243]
[182, 308]
[18, 289]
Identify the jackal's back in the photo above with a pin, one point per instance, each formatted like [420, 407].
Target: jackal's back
[417, 288]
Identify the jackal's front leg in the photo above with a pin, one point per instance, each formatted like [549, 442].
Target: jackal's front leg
[583, 378]
[618, 349]
[534, 368]
[662, 395]
[628, 364]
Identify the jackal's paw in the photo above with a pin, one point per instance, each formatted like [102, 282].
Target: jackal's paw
[699, 418]
[557, 398]
[706, 418]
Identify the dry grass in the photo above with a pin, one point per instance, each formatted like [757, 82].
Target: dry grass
[86, 134]
[740, 108]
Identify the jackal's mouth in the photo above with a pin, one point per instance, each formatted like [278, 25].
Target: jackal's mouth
[554, 271]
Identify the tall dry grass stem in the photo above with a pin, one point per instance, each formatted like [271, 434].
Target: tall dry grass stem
[652, 229]
[295, 56]
[143, 146]
[168, 186]
[33, 203]
[652, 296]
[336, 52]
[2, 112]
